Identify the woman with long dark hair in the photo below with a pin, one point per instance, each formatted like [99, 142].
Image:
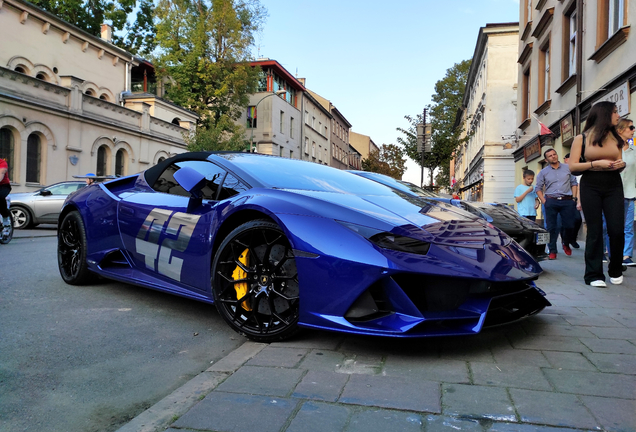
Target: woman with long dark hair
[601, 191]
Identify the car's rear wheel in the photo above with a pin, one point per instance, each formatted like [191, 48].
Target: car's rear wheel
[21, 217]
[71, 250]
[255, 282]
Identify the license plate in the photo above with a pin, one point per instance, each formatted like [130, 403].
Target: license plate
[543, 238]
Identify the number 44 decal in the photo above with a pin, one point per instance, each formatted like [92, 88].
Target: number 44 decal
[178, 228]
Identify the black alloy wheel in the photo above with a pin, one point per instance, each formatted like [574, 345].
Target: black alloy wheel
[71, 250]
[255, 282]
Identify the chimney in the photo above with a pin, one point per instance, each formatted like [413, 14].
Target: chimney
[107, 33]
[302, 81]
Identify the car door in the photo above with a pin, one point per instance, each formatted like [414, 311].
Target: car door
[48, 202]
[167, 240]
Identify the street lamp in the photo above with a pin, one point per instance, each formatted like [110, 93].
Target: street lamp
[276, 93]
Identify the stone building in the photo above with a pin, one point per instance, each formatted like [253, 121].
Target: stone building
[67, 105]
[483, 167]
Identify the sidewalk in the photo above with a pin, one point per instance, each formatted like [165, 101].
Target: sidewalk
[44, 230]
[572, 367]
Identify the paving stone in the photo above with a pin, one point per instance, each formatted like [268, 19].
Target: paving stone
[477, 402]
[520, 357]
[614, 363]
[544, 318]
[278, 357]
[615, 346]
[262, 380]
[613, 332]
[593, 383]
[549, 343]
[627, 321]
[557, 330]
[561, 310]
[392, 392]
[231, 412]
[593, 321]
[439, 423]
[518, 427]
[384, 420]
[313, 339]
[569, 361]
[579, 303]
[509, 376]
[320, 417]
[606, 311]
[321, 385]
[320, 359]
[453, 371]
[364, 365]
[553, 409]
[614, 414]
[465, 349]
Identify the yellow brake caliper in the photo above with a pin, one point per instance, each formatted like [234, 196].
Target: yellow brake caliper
[238, 274]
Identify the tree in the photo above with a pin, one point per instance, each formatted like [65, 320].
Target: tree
[89, 15]
[388, 160]
[205, 48]
[447, 99]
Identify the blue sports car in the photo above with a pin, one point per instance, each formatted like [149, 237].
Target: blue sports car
[279, 244]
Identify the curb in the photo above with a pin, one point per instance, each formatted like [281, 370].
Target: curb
[163, 413]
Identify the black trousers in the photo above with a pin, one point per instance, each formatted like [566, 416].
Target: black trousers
[602, 194]
[4, 191]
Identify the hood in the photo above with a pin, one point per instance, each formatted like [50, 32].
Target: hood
[506, 218]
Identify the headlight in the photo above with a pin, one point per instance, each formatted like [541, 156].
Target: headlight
[387, 240]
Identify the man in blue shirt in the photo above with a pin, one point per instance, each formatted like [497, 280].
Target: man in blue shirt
[556, 188]
[526, 197]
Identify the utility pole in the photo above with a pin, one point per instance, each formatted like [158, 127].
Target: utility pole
[423, 141]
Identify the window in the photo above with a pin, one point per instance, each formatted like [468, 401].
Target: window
[313, 149]
[333, 150]
[33, 159]
[262, 82]
[306, 117]
[291, 154]
[325, 131]
[544, 74]
[291, 127]
[528, 10]
[161, 159]
[65, 188]
[213, 174]
[282, 121]
[120, 161]
[313, 122]
[610, 18]
[571, 47]
[231, 186]
[251, 117]
[280, 151]
[615, 16]
[525, 106]
[101, 161]
[6, 149]
[306, 145]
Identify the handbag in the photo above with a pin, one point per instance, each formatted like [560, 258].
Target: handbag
[581, 159]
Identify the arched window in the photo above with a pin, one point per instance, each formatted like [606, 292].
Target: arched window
[120, 162]
[20, 69]
[104, 96]
[101, 161]
[89, 92]
[161, 159]
[42, 76]
[176, 121]
[6, 149]
[34, 152]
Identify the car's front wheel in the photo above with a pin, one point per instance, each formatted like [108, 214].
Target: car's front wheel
[255, 282]
[21, 217]
[71, 250]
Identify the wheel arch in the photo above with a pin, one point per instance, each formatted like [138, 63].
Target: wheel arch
[25, 209]
[235, 220]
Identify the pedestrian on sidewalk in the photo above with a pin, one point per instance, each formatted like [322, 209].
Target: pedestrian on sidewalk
[601, 191]
[526, 198]
[5, 189]
[578, 221]
[556, 188]
[625, 129]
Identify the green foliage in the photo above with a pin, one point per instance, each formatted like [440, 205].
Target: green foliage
[447, 99]
[89, 15]
[204, 53]
[388, 160]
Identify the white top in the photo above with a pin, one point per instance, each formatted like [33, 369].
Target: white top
[629, 173]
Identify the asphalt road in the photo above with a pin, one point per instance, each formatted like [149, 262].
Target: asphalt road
[91, 358]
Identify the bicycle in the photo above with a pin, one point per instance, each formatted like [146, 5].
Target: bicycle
[7, 232]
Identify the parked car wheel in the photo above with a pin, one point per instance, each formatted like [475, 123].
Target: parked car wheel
[255, 282]
[21, 217]
[71, 250]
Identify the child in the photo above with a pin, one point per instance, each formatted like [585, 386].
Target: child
[526, 197]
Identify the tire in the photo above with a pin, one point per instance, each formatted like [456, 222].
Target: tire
[6, 235]
[255, 282]
[21, 217]
[71, 250]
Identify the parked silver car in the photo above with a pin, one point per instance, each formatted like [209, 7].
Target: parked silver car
[42, 206]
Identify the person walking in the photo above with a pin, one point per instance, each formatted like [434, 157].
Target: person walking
[5, 189]
[601, 191]
[556, 188]
[526, 197]
[578, 221]
[625, 129]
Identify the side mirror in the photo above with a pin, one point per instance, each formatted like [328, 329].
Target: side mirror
[192, 181]
[46, 193]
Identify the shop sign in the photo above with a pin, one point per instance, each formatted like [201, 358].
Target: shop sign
[532, 151]
[567, 132]
[620, 96]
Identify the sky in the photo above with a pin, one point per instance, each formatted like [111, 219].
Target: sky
[376, 61]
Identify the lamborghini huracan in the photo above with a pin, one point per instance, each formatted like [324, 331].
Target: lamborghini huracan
[280, 244]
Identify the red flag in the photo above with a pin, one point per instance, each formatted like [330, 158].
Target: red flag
[543, 129]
